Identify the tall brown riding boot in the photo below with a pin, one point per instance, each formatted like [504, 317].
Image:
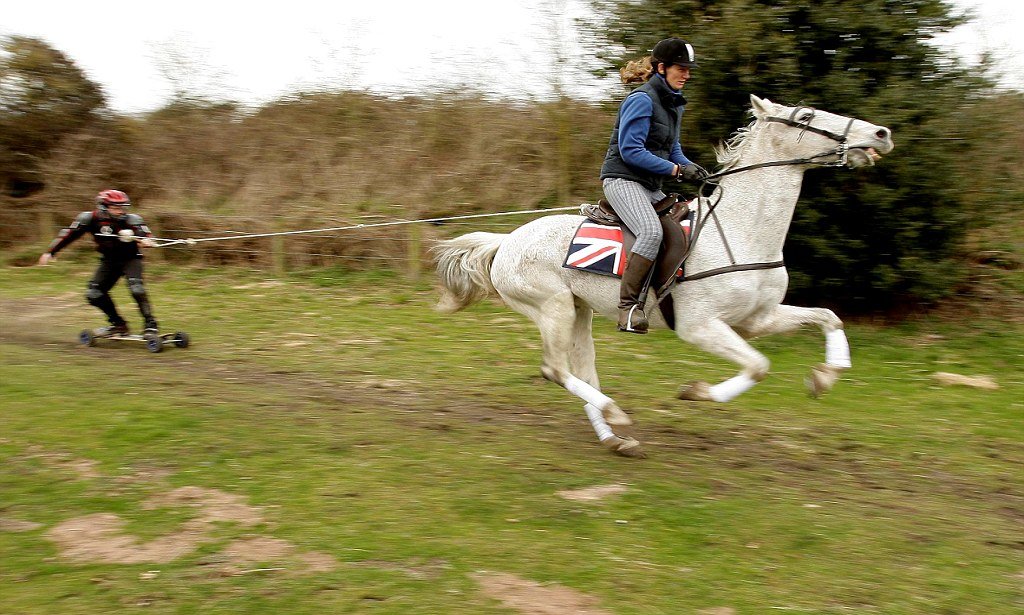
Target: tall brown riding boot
[631, 314]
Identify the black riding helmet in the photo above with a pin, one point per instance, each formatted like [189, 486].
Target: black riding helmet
[674, 51]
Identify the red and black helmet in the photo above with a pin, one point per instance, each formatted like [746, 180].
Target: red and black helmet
[112, 197]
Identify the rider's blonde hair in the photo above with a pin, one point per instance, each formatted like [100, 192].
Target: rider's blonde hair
[636, 71]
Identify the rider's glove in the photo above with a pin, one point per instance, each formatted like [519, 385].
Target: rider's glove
[692, 172]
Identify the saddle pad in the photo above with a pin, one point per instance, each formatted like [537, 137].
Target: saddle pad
[597, 248]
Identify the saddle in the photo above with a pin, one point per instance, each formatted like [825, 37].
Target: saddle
[674, 244]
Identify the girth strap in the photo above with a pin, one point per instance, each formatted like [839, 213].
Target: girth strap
[732, 268]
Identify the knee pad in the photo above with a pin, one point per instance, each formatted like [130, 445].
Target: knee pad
[94, 294]
[136, 287]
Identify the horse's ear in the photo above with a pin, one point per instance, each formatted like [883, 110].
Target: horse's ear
[761, 106]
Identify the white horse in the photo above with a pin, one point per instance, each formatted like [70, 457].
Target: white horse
[758, 185]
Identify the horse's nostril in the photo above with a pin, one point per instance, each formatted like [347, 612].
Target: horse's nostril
[882, 134]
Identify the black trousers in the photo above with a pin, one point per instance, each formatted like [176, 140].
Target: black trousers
[106, 276]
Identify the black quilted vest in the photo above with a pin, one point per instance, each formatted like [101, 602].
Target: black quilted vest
[667, 114]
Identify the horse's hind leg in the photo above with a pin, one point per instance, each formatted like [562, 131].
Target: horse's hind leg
[583, 364]
[582, 358]
[568, 345]
[786, 318]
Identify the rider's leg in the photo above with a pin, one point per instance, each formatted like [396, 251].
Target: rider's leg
[133, 271]
[98, 293]
[633, 204]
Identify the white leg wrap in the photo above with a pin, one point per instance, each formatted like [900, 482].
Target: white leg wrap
[732, 388]
[586, 392]
[601, 428]
[837, 349]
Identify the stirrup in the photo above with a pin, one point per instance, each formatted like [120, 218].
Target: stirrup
[629, 327]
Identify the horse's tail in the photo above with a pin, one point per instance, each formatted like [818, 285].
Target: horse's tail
[464, 266]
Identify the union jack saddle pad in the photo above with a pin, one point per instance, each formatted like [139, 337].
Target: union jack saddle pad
[598, 248]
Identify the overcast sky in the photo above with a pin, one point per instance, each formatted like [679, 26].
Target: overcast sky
[141, 51]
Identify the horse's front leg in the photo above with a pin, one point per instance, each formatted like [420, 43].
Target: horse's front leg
[786, 318]
[719, 339]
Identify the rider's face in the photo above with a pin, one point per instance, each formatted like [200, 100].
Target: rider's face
[115, 211]
[676, 76]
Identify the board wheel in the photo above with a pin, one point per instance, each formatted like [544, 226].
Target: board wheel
[181, 339]
[154, 343]
[87, 338]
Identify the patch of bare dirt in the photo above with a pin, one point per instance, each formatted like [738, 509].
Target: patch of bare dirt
[239, 556]
[591, 494]
[318, 561]
[429, 569]
[101, 538]
[258, 549]
[82, 468]
[214, 505]
[532, 598]
[41, 308]
[18, 525]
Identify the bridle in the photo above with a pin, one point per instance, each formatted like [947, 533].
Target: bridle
[842, 151]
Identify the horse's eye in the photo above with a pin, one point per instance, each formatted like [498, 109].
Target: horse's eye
[805, 116]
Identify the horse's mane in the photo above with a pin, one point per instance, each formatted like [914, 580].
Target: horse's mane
[728, 153]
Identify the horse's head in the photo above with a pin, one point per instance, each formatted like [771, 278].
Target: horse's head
[805, 132]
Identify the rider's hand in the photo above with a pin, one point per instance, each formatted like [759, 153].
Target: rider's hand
[692, 172]
[46, 258]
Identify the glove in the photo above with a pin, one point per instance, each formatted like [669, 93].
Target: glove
[692, 172]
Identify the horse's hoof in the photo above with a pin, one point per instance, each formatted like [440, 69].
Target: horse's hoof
[627, 447]
[822, 378]
[695, 391]
[614, 415]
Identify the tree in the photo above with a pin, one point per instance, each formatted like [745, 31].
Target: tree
[44, 97]
[867, 239]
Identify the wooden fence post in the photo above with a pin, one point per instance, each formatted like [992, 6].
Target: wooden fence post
[278, 258]
[413, 263]
[46, 224]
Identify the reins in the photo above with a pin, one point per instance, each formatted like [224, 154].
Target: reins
[842, 151]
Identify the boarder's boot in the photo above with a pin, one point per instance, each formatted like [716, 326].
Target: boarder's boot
[151, 329]
[109, 330]
[632, 318]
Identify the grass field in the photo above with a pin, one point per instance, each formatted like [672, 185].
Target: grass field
[329, 444]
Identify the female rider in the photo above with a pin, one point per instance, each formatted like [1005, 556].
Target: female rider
[643, 151]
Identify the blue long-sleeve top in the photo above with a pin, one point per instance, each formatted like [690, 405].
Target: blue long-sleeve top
[634, 124]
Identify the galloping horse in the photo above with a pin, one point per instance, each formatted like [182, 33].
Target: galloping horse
[737, 283]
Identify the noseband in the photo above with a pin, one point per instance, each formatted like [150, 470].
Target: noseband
[841, 150]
